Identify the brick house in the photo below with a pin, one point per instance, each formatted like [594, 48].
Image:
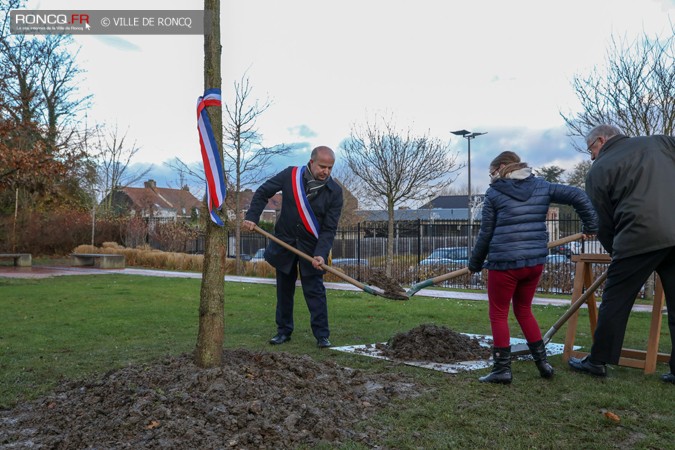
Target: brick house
[151, 202]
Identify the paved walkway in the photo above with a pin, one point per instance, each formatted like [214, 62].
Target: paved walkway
[53, 271]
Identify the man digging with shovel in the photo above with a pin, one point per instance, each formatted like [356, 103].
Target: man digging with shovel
[310, 211]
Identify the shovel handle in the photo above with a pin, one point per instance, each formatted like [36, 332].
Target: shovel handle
[439, 279]
[325, 267]
[450, 275]
[414, 289]
[565, 240]
[574, 307]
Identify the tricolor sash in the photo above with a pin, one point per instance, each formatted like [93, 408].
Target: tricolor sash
[213, 168]
[301, 202]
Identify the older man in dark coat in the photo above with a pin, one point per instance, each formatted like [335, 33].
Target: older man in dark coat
[310, 211]
[630, 186]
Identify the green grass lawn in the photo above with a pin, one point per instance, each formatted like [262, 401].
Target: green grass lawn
[80, 326]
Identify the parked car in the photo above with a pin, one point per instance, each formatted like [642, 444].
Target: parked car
[564, 249]
[242, 256]
[349, 262]
[557, 259]
[558, 274]
[447, 256]
[258, 256]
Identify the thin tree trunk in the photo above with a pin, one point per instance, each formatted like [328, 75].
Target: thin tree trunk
[16, 215]
[209, 351]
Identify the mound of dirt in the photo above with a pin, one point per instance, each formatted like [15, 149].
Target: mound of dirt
[259, 400]
[429, 342]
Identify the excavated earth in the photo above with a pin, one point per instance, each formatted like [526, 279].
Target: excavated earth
[256, 400]
[429, 342]
[391, 288]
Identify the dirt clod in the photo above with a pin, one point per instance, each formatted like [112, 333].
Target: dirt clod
[391, 288]
[429, 342]
[260, 400]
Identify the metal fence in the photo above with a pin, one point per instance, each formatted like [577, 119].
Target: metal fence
[360, 249]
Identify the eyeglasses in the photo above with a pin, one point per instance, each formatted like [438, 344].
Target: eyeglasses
[592, 144]
[494, 173]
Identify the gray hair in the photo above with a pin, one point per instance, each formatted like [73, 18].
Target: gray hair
[605, 131]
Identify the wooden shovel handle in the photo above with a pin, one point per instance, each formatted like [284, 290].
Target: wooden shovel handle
[465, 270]
[565, 240]
[304, 255]
[574, 307]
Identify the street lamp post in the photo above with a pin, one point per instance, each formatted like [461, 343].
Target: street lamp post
[468, 135]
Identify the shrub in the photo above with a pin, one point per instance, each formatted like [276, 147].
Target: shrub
[172, 236]
[54, 232]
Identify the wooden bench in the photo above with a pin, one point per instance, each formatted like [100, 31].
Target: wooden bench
[100, 260]
[20, 259]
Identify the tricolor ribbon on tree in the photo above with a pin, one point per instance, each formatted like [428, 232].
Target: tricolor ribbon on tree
[213, 168]
[302, 203]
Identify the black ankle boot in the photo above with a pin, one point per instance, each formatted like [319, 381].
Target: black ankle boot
[538, 350]
[501, 369]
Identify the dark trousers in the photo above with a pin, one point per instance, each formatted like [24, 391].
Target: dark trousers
[315, 297]
[625, 278]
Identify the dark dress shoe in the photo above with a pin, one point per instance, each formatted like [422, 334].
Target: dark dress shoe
[280, 339]
[668, 378]
[585, 365]
[323, 343]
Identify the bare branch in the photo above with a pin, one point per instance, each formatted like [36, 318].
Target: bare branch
[635, 90]
[396, 166]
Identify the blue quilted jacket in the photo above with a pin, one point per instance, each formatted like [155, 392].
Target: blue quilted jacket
[513, 228]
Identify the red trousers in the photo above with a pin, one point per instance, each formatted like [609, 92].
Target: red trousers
[519, 285]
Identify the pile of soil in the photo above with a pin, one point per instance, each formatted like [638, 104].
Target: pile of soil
[429, 342]
[391, 288]
[260, 400]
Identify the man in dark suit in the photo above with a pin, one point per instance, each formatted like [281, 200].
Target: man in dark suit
[310, 211]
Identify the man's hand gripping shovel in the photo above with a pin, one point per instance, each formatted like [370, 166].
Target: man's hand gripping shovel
[369, 289]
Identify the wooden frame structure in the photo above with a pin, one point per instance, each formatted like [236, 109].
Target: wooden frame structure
[640, 359]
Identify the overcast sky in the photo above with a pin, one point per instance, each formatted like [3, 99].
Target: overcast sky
[502, 67]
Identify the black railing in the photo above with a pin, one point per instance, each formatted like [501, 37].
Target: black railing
[362, 248]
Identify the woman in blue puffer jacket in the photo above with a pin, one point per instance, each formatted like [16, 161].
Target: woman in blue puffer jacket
[514, 240]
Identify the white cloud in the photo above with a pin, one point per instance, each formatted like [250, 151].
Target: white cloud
[496, 66]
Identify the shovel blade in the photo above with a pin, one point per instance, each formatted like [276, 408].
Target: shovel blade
[520, 349]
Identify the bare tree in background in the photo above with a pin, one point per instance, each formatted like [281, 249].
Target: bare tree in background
[58, 75]
[396, 166]
[191, 175]
[350, 204]
[38, 108]
[113, 159]
[635, 90]
[246, 159]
